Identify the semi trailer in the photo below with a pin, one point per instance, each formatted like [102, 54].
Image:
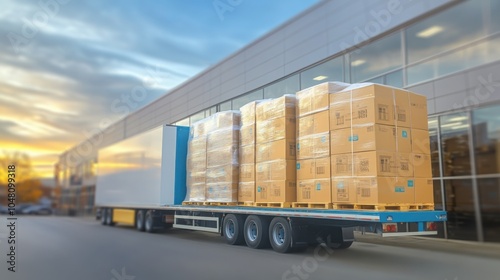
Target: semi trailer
[141, 182]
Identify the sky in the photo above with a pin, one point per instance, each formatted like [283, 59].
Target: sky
[63, 63]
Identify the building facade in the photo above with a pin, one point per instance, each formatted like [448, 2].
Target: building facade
[446, 50]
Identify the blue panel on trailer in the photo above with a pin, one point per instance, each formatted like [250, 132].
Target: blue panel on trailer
[421, 226]
[413, 216]
[180, 162]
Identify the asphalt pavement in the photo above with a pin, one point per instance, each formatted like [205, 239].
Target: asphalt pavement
[76, 248]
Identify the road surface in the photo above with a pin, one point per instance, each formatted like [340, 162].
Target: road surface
[75, 248]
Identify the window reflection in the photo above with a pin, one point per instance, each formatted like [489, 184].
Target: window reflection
[486, 129]
[328, 71]
[376, 58]
[460, 208]
[489, 201]
[455, 144]
[242, 100]
[433, 134]
[289, 85]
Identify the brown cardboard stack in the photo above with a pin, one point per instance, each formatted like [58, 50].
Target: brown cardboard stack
[378, 147]
[213, 159]
[275, 150]
[313, 143]
[246, 187]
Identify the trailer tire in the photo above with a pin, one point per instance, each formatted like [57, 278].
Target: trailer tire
[109, 217]
[280, 235]
[232, 229]
[149, 222]
[104, 215]
[139, 220]
[256, 232]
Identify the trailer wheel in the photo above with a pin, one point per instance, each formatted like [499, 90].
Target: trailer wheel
[109, 217]
[233, 229]
[149, 222]
[256, 232]
[139, 220]
[104, 216]
[280, 235]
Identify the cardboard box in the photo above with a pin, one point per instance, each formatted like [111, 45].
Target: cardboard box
[385, 190]
[316, 98]
[276, 129]
[247, 172]
[247, 134]
[313, 124]
[197, 161]
[222, 156]
[222, 138]
[363, 138]
[341, 165]
[281, 149]
[313, 146]
[318, 168]
[276, 191]
[404, 163]
[422, 165]
[196, 192]
[196, 177]
[222, 192]
[226, 173]
[282, 107]
[248, 113]
[362, 91]
[343, 190]
[276, 170]
[316, 190]
[224, 120]
[197, 145]
[246, 192]
[418, 111]
[403, 139]
[375, 163]
[247, 154]
[198, 130]
[420, 141]
[424, 190]
[402, 108]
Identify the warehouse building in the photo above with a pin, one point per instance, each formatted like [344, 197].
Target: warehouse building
[446, 50]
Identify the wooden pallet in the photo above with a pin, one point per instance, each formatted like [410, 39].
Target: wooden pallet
[246, 203]
[193, 203]
[220, 203]
[311, 205]
[273, 204]
[382, 207]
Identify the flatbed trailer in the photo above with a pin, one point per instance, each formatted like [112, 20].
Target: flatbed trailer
[285, 229]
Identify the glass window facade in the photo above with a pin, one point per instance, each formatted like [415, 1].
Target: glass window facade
[242, 100]
[289, 85]
[225, 106]
[486, 129]
[196, 117]
[460, 207]
[434, 142]
[329, 71]
[489, 201]
[455, 144]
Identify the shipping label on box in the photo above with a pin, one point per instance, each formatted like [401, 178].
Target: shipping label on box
[343, 190]
[276, 129]
[418, 111]
[318, 168]
[422, 165]
[282, 107]
[281, 149]
[246, 192]
[341, 165]
[404, 140]
[375, 164]
[316, 190]
[424, 191]
[247, 135]
[247, 172]
[420, 141]
[313, 146]
[404, 164]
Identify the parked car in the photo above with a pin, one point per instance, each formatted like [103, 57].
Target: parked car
[3, 210]
[37, 210]
[20, 208]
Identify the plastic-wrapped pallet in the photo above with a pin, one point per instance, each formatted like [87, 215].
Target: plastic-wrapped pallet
[197, 162]
[313, 143]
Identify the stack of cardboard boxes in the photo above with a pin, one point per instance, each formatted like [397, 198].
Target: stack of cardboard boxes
[313, 143]
[374, 134]
[213, 159]
[246, 187]
[275, 150]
